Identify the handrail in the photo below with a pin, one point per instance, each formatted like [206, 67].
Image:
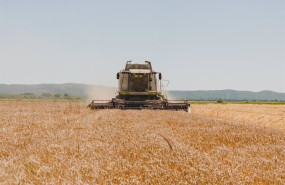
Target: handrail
[129, 61]
[149, 63]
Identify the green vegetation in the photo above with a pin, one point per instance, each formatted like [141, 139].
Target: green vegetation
[240, 102]
[39, 96]
[220, 101]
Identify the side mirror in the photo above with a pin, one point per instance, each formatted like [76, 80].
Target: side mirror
[160, 76]
[118, 76]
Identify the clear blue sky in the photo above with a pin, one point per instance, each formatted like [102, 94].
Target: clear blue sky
[210, 44]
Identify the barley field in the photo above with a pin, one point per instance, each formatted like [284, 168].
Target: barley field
[46, 142]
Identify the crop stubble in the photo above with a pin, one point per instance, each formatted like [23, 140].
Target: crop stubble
[64, 142]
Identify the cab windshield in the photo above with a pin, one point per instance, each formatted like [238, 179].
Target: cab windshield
[138, 82]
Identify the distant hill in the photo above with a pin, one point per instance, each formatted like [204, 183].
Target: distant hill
[81, 90]
[104, 92]
[228, 95]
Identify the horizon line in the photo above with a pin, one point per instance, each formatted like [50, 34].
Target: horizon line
[166, 90]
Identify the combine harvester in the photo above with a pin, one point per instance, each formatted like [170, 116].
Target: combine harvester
[139, 89]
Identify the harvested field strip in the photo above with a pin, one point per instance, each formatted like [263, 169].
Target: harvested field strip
[58, 142]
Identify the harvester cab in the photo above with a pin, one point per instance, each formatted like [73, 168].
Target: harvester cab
[139, 82]
[140, 87]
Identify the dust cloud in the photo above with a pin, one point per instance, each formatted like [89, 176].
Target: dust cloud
[169, 96]
[100, 93]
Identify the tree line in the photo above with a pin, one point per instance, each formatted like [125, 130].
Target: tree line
[38, 96]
